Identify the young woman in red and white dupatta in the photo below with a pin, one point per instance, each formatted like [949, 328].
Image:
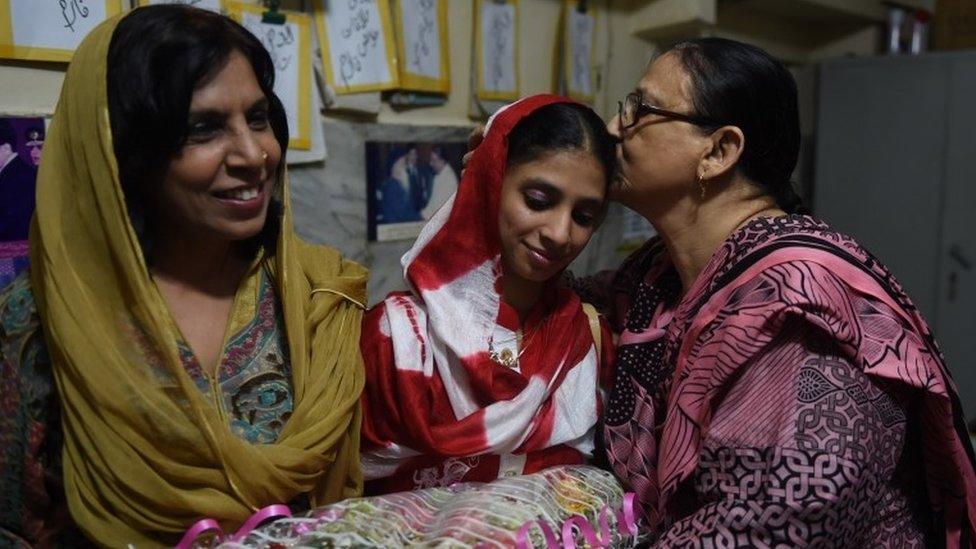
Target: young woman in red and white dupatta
[487, 367]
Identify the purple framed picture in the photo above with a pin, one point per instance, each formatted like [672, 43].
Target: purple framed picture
[21, 143]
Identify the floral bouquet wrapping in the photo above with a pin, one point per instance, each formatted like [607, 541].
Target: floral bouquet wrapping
[562, 506]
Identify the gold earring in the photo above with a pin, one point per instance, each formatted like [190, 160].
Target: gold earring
[701, 184]
[264, 155]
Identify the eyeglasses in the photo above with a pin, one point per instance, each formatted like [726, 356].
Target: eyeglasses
[632, 108]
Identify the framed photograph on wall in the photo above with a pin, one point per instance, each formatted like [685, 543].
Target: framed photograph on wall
[21, 143]
[407, 183]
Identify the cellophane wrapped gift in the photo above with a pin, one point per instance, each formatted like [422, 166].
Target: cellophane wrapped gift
[463, 515]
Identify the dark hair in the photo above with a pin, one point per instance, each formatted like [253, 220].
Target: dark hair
[562, 126]
[157, 57]
[742, 85]
[7, 134]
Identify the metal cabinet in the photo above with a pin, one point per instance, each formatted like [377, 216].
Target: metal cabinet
[896, 168]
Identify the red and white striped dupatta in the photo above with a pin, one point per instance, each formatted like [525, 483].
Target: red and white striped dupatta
[437, 409]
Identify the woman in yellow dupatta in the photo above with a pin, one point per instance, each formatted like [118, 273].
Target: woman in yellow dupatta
[146, 452]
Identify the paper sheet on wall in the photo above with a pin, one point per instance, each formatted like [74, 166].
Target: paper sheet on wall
[49, 30]
[358, 48]
[580, 32]
[211, 5]
[497, 48]
[422, 45]
[317, 151]
[290, 47]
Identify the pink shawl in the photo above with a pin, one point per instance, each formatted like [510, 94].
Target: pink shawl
[731, 315]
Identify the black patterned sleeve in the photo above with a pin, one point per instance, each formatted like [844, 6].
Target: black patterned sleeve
[805, 449]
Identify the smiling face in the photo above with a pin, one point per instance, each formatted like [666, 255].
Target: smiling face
[549, 208]
[220, 183]
[658, 157]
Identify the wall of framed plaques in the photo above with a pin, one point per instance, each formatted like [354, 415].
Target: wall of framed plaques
[430, 52]
[356, 52]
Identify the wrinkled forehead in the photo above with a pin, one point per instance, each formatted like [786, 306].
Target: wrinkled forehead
[666, 83]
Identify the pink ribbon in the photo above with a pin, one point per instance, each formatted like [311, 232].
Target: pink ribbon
[626, 522]
[203, 526]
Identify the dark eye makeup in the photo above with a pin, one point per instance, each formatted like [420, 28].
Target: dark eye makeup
[536, 200]
[205, 125]
[259, 116]
[540, 195]
[584, 218]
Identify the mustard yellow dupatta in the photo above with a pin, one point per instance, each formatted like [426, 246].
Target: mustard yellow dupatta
[145, 455]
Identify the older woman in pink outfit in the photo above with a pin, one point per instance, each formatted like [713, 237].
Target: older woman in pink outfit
[774, 384]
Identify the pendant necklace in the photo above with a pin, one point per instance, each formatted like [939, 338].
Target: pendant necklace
[506, 357]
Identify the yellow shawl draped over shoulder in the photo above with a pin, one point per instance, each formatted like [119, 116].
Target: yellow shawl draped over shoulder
[146, 455]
